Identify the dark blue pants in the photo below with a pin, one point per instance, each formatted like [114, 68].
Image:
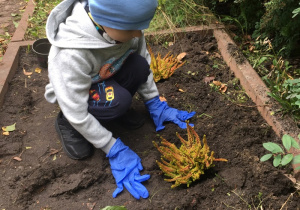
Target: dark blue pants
[111, 98]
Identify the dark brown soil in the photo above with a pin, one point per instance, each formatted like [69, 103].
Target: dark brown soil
[45, 178]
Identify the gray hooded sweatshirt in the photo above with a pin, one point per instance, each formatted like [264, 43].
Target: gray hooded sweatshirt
[78, 52]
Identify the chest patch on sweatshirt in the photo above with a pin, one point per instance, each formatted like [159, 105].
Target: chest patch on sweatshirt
[111, 67]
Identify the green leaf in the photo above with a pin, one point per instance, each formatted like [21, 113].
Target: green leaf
[9, 127]
[272, 147]
[15, 24]
[286, 159]
[265, 157]
[298, 168]
[114, 208]
[296, 159]
[277, 160]
[287, 141]
[295, 144]
[262, 60]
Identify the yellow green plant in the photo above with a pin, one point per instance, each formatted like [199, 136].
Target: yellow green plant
[165, 67]
[186, 164]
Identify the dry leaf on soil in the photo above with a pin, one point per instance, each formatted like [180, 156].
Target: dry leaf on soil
[217, 83]
[170, 44]
[180, 90]
[181, 56]
[5, 133]
[223, 88]
[38, 70]
[53, 151]
[179, 87]
[17, 159]
[161, 98]
[9, 127]
[27, 73]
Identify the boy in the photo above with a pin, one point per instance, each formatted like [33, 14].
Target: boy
[97, 62]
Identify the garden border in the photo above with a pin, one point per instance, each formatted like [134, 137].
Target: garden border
[10, 60]
[249, 79]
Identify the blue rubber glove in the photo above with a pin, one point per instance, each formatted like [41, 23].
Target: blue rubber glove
[161, 112]
[126, 166]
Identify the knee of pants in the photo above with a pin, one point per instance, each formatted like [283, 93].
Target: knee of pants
[133, 73]
[108, 100]
[140, 68]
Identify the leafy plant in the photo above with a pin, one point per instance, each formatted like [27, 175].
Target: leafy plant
[296, 11]
[288, 96]
[281, 156]
[163, 68]
[180, 13]
[186, 164]
[278, 24]
[293, 91]
[277, 73]
[267, 61]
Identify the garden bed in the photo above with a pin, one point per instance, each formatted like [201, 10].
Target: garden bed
[42, 177]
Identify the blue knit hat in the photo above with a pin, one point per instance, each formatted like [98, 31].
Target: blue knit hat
[123, 14]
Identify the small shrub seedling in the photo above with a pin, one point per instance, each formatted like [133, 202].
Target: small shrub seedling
[165, 67]
[186, 164]
[292, 87]
[281, 156]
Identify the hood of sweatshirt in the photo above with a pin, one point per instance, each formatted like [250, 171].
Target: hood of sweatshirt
[69, 26]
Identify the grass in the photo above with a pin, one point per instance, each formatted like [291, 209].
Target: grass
[37, 22]
[169, 16]
[257, 201]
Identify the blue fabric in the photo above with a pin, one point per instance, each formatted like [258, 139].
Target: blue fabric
[133, 73]
[111, 98]
[126, 166]
[108, 100]
[123, 14]
[160, 112]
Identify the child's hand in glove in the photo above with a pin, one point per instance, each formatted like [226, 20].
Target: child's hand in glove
[161, 112]
[126, 166]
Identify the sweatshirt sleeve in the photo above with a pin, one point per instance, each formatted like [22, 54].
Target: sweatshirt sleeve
[70, 80]
[149, 89]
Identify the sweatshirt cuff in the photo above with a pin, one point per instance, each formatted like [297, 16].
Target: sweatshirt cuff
[109, 145]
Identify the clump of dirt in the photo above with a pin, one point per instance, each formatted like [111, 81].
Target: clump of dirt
[44, 177]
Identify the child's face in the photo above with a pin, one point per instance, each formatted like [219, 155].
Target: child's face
[122, 35]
